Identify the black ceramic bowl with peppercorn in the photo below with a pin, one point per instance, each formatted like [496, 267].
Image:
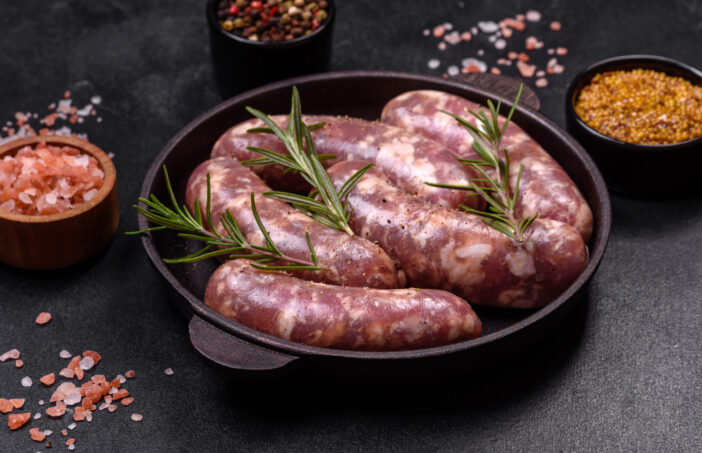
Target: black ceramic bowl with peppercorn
[640, 117]
[256, 42]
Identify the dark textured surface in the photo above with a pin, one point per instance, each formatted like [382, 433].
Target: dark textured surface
[622, 374]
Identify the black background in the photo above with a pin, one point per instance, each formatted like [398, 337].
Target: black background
[622, 374]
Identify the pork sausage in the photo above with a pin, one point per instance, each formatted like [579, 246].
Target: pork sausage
[351, 260]
[545, 187]
[408, 160]
[328, 316]
[447, 249]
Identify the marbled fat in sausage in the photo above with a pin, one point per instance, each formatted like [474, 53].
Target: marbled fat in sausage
[408, 160]
[351, 260]
[447, 249]
[545, 187]
[339, 317]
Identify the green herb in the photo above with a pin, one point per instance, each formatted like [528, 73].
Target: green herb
[324, 202]
[495, 190]
[233, 243]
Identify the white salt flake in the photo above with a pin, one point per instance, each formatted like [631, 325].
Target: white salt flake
[453, 38]
[121, 378]
[103, 406]
[26, 381]
[12, 354]
[48, 432]
[64, 106]
[441, 45]
[500, 44]
[72, 398]
[41, 402]
[72, 446]
[426, 32]
[453, 70]
[432, 64]
[532, 16]
[488, 26]
[99, 120]
[474, 30]
[481, 52]
[37, 416]
[96, 99]
[71, 426]
[169, 371]
[137, 417]
[87, 363]
[85, 111]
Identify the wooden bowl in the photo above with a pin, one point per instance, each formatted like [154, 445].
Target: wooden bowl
[245, 352]
[58, 240]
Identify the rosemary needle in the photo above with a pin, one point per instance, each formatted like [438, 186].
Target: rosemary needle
[495, 190]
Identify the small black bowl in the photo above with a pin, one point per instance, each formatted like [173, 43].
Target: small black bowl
[633, 169]
[241, 64]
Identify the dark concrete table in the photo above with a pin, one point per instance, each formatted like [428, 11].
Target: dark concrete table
[622, 374]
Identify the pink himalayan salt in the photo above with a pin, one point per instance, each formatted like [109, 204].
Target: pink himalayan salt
[47, 180]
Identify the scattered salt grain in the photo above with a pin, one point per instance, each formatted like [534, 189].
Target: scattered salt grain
[67, 373]
[103, 406]
[555, 25]
[96, 100]
[448, 26]
[481, 52]
[525, 69]
[169, 371]
[26, 381]
[488, 26]
[453, 38]
[433, 63]
[71, 426]
[65, 354]
[551, 51]
[542, 82]
[72, 398]
[37, 416]
[86, 363]
[123, 379]
[44, 317]
[13, 354]
[452, 70]
[72, 447]
[41, 403]
[439, 31]
[474, 30]
[19, 363]
[48, 432]
[441, 45]
[466, 36]
[425, 32]
[137, 417]
[561, 50]
[540, 73]
[500, 44]
[533, 16]
[112, 407]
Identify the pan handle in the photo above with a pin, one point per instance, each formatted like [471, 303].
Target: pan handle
[231, 352]
[506, 87]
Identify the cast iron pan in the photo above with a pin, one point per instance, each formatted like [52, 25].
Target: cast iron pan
[248, 353]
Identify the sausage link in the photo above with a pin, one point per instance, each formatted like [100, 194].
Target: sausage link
[408, 160]
[350, 260]
[447, 249]
[339, 317]
[545, 187]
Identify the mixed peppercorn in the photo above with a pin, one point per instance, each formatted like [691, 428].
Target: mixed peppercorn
[273, 20]
[642, 106]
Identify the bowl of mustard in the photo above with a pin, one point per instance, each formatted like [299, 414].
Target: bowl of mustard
[640, 118]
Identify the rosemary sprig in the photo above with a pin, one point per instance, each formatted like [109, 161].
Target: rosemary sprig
[324, 202]
[494, 189]
[233, 243]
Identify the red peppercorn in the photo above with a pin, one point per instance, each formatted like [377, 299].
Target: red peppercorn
[294, 23]
[233, 10]
[273, 11]
[264, 17]
[256, 4]
[315, 24]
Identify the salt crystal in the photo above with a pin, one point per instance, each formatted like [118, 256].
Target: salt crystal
[113, 390]
[96, 99]
[26, 381]
[500, 44]
[9, 205]
[64, 106]
[112, 407]
[466, 36]
[555, 25]
[103, 406]
[51, 197]
[433, 64]
[488, 26]
[72, 398]
[87, 363]
[468, 62]
[99, 120]
[453, 38]
[448, 26]
[24, 198]
[561, 50]
[72, 447]
[66, 387]
[492, 38]
[481, 52]
[550, 51]
[525, 69]
[426, 32]
[82, 161]
[85, 111]
[453, 70]
[137, 417]
[557, 69]
[41, 402]
[439, 31]
[64, 354]
[89, 416]
[474, 30]
[111, 155]
[541, 82]
[48, 432]
[169, 371]
[441, 45]
[37, 416]
[540, 73]
[71, 426]
[69, 374]
[533, 16]
[121, 378]
[551, 62]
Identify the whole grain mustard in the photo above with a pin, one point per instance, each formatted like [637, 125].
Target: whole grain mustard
[642, 106]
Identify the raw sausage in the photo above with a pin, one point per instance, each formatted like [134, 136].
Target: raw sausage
[350, 260]
[545, 187]
[408, 160]
[447, 249]
[339, 317]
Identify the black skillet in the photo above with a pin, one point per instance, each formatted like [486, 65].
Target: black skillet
[248, 353]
